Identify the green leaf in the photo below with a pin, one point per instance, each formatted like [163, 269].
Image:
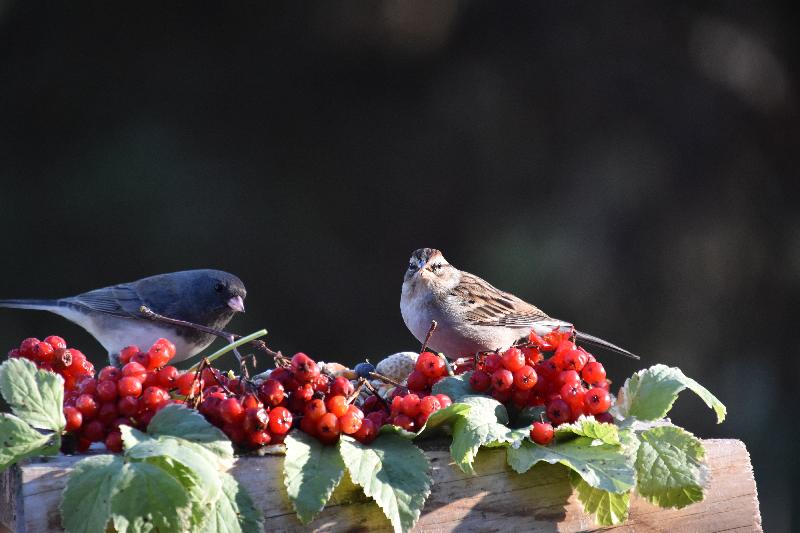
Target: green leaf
[669, 467]
[650, 393]
[442, 418]
[190, 463]
[132, 436]
[589, 427]
[529, 415]
[179, 421]
[609, 509]
[86, 501]
[311, 470]
[456, 387]
[482, 425]
[603, 466]
[234, 511]
[393, 472]
[36, 396]
[18, 440]
[147, 498]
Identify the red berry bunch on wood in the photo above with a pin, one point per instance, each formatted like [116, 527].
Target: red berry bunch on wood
[569, 383]
[53, 354]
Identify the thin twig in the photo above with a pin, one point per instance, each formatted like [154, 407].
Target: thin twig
[357, 391]
[387, 379]
[428, 335]
[378, 395]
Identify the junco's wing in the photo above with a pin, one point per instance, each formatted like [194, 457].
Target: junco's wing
[119, 300]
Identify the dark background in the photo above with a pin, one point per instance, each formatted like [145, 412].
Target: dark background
[625, 166]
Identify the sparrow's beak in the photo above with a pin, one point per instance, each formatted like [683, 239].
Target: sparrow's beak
[237, 304]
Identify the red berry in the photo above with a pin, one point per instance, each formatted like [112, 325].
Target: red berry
[114, 442]
[569, 377]
[109, 373]
[429, 405]
[62, 359]
[127, 353]
[558, 411]
[154, 396]
[502, 380]
[170, 348]
[315, 409]
[411, 405]
[107, 413]
[280, 421]
[480, 381]
[158, 356]
[337, 405]
[525, 378]
[431, 365]
[492, 363]
[367, 432]
[94, 431]
[405, 422]
[304, 392]
[397, 405]
[378, 418]
[43, 351]
[129, 386]
[542, 433]
[56, 342]
[87, 405]
[342, 386]
[309, 426]
[255, 420]
[593, 373]
[513, 359]
[231, 411]
[532, 356]
[597, 400]
[328, 428]
[259, 438]
[86, 385]
[26, 347]
[370, 404]
[444, 400]
[235, 432]
[250, 401]
[128, 406]
[350, 422]
[167, 377]
[74, 418]
[604, 417]
[107, 391]
[187, 384]
[271, 392]
[143, 358]
[502, 396]
[135, 370]
[304, 368]
[417, 381]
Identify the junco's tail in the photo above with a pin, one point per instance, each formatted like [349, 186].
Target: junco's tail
[597, 341]
[41, 305]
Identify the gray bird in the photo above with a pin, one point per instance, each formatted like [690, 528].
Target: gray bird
[112, 316]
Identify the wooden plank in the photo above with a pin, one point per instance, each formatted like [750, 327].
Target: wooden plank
[494, 499]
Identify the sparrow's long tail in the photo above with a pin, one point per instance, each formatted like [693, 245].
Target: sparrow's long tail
[597, 341]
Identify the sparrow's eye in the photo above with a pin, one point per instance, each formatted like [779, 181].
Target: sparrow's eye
[219, 287]
[412, 266]
[436, 266]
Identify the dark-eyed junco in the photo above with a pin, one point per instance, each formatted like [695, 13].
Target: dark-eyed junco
[112, 316]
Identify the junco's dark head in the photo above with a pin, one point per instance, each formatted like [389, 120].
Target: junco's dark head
[217, 291]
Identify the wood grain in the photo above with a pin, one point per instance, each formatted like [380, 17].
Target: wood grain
[494, 499]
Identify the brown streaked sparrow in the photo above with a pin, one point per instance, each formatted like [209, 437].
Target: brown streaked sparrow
[471, 315]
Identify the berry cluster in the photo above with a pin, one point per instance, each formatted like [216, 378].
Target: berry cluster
[131, 395]
[570, 383]
[52, 354]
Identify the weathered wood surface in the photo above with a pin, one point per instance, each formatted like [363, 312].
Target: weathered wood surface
[495, 499]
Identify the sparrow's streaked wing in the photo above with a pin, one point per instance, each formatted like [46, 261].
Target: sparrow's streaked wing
[489, 306]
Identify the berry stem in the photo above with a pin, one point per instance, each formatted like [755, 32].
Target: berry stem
[233, 345]
[428, 336]
[386, 379]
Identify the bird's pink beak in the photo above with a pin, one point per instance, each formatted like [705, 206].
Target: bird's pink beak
[237, 304]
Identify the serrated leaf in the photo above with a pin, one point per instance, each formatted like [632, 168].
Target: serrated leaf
[442, 418]
[179, 421]
[603, 466]
[147, 498]
[190, 463]
[234, 511]
[589, 427]
[86, 501]
[393, 472]
[650, 393]
[34, 395]
[609, 509]
[669, 467]
[455, 387]
[482, 425]
[311, 470]
[18, 440]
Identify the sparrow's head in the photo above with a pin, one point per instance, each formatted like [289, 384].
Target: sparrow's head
[428, 265]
